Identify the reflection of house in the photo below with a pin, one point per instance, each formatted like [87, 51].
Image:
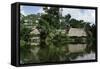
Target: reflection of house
[77, 35]
[76, 47]
[77, 40]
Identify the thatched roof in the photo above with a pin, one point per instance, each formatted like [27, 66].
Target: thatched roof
[77, 32]
[35, 31]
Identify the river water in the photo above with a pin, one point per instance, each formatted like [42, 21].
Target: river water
[80, 52]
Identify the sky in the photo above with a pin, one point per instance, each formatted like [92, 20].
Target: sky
[26, 10]
[88, 15]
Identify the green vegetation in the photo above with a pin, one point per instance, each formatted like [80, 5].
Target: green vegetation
[53, 37]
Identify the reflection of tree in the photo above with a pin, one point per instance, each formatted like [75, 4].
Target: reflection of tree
[93, 30]
[91, 39]
[72, 56]
[49, 23]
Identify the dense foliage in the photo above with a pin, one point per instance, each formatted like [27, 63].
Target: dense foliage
[53, 44]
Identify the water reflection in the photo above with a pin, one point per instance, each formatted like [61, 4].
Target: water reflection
[67, 52]
[80, 52]
[76, 47]
[90, 56]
